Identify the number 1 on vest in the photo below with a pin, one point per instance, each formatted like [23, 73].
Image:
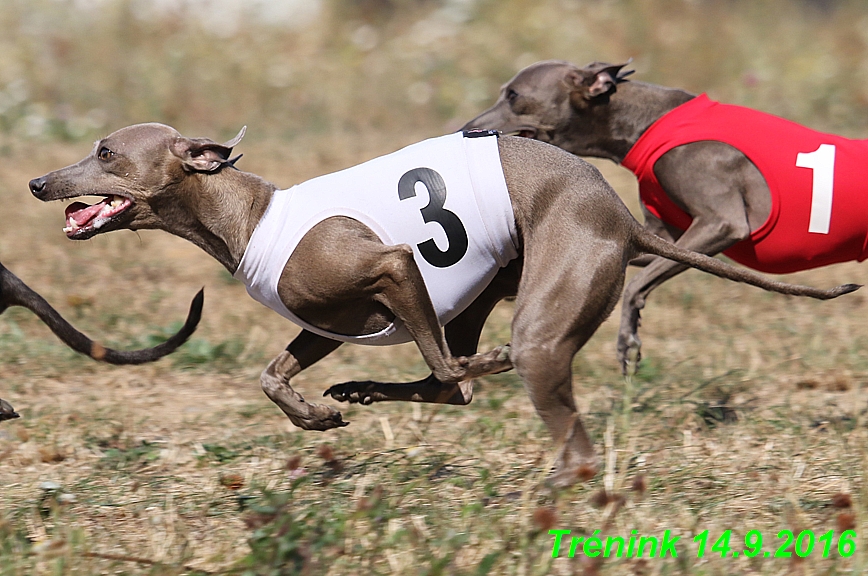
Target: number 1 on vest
[822, 162]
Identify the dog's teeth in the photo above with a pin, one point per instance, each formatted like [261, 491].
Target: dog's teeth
[117, 201]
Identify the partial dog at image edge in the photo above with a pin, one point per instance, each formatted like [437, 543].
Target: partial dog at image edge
[770, 194]
[7, 412]
[14, 292]
[418, 245]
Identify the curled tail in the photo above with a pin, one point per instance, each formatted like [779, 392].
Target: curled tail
[645, 241]
[14, 292]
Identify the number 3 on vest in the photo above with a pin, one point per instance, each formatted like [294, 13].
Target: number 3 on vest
[822, 162]
[456, 235]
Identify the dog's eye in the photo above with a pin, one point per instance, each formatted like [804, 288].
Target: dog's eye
[511, 95]
[105, 154]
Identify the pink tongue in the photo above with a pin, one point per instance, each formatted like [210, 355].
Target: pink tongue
[81, 213]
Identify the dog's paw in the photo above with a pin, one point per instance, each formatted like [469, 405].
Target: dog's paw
[491, 362]
[318, 417]
[629, 353]
[363, 392]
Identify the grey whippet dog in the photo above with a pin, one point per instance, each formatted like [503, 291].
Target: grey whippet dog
[595, 111]
[575, 240]
[14, 292]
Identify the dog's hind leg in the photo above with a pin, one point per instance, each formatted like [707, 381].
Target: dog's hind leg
[565, 294]
[306, 349]
[428, 389]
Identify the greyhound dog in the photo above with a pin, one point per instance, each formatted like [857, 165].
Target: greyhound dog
[567, 240]
[14, 292]
[712, 177]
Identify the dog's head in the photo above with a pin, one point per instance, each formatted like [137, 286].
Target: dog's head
[544, 100]
[134, 171]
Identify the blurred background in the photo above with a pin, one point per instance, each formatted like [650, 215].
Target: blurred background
[292, 69]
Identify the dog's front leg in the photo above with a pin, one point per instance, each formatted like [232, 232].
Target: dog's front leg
[727, 197]
[403, 291]
[391, 276]
[413, 307]
[704, 236]
[306, 349]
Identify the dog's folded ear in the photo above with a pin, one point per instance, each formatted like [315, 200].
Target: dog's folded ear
[205, 155]
[599, 78]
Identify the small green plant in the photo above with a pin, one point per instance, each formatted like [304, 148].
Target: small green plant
[13, 544]
[648, 371]
[119, 458]
[220, 454]
[289, 540]
[198, 352]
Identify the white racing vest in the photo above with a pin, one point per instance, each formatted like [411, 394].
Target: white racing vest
[446, 198]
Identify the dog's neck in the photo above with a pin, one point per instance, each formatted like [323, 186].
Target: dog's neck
[219, 212]
[609, 129]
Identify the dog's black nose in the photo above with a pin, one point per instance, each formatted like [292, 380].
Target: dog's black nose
[37, 186]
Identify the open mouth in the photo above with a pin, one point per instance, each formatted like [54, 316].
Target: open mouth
[522, 131]
[84, 221]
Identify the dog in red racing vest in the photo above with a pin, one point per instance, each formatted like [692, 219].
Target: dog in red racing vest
[772, 195]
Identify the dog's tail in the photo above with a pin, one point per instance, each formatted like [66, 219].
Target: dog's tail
[14, 292]
[647, 242]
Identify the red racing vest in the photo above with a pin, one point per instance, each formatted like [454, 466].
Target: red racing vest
[819, 212]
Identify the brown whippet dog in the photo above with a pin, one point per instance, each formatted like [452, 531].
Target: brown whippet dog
[574, 241]
[594, 111]
[14, 292]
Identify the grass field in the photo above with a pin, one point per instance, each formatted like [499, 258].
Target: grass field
[747, 414]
